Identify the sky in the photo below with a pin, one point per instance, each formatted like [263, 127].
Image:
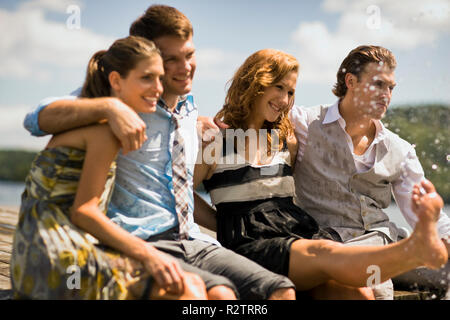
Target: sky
[45, 46]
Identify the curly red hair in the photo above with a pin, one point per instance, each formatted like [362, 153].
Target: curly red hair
[262, 69]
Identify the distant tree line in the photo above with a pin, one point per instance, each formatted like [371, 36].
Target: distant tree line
[428, 128]
[425, 126]
[15, 164]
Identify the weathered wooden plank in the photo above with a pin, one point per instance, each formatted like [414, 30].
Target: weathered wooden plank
[5, 247]
[4, 269]
[5, 282]
[5, 257]
[6, 237]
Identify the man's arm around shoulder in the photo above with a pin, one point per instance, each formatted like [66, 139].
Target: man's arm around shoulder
[59, 115]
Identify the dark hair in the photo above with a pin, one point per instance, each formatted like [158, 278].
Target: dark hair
[356, 61]
[161, 20]
[123, 56]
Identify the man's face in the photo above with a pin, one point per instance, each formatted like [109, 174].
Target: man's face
[179, 64]
[372, 93]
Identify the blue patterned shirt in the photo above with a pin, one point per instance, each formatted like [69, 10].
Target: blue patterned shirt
[143, 201]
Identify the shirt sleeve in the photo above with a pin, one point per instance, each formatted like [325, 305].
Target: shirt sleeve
[412, 173]
[31, 121]
[298, 118]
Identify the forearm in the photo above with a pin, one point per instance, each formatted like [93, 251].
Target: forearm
[90, 219]
[204, 214]
[63, 115]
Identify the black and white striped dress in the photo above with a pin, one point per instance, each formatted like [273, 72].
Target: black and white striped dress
[256, 216]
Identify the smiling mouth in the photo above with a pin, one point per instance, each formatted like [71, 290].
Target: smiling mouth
[184, 78]
[275, 108]
[151, 100]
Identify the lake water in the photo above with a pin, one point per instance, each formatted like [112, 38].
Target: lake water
[10, 193]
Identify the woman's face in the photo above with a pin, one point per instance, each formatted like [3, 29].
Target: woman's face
[276, 98]
[142, 87]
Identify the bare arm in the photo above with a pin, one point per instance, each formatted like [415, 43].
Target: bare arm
[125, 123]
[292, 144]
[100, 152]
[425, 198]
[204, 214]
[208, 128]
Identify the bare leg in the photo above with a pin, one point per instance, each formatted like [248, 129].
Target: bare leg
[332, 290]
[194, 289]
[314, 262]
[221, 293]
[283, 294]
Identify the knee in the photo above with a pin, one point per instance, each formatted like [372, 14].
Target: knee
[283, 294]
[366, 293]
[324, 246]
[221, 293]
[194, 287]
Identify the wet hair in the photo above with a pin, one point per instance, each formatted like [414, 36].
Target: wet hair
[262, 69]
[161, 20]
[356, 61]
[123, 56]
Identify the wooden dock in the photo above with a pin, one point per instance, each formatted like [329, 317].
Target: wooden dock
[8, 221]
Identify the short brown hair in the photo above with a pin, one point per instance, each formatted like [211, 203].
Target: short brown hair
[356, 61]
[161, 20]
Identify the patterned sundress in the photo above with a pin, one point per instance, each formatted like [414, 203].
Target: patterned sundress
[51, 257]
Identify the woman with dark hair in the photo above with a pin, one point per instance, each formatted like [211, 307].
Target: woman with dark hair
[65, 247]
[252, 188]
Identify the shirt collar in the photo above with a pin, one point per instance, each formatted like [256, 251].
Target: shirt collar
[181, 101]
[333, 115]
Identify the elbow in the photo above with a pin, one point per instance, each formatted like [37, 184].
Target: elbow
[79, 216]
[75, 216]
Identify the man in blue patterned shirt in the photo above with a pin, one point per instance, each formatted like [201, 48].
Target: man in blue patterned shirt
[143, 201]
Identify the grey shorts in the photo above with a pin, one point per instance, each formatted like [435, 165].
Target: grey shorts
[220, 266]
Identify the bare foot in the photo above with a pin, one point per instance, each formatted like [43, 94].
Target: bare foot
[427, 205]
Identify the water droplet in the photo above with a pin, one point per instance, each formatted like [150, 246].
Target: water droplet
[372, 88]
[414, 146]
[448, 158]
[343, 70]
[437, 141]
[434, 166]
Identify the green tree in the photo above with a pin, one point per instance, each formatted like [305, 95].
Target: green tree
[15, 164]
[426, 127]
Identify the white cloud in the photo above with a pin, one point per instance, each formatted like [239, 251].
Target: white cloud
[51, 5]
[13, 133]
[217, 64]
[393, 24]
[33, 43]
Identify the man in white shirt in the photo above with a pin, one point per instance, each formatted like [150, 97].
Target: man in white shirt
[348, 163]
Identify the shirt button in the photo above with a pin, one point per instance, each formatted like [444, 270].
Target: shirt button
[364, 213]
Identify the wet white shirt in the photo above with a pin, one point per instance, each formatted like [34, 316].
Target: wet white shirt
[402, 188]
